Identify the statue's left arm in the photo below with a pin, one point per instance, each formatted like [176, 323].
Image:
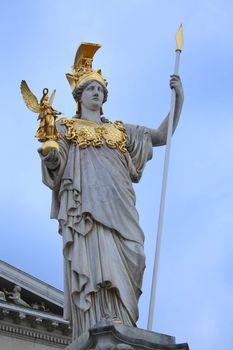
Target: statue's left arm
[159, 136]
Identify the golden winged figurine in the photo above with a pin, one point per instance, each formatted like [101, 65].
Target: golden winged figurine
[47, 131]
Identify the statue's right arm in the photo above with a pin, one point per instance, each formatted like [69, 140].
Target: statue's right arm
[53, 164]
[52, 160]
[6, 292]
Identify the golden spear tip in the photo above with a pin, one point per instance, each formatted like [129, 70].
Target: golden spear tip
[179, 38]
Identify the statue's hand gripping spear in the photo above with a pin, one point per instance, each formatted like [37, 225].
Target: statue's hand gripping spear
[179, 45]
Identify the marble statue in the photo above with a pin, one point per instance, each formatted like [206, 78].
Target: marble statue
[15, 296]
[40, 306]
[91, 178]
[2, 296]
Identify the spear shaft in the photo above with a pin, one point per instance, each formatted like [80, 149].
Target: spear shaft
[179, 40]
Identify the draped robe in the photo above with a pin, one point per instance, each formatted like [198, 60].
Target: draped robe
[94, 202]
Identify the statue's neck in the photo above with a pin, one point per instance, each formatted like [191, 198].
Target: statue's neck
[93, 116]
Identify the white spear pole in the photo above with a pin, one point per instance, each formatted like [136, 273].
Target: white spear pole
[179, 44]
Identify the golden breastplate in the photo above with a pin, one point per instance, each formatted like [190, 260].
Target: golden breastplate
[85, 133]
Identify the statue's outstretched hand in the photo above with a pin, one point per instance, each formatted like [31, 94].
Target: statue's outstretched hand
[176, 84]
[51, 160]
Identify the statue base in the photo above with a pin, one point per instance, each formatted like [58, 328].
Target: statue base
[106, 335]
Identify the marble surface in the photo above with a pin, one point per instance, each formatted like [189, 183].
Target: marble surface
[106, 335]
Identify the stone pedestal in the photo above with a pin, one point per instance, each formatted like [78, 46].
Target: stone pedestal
[107, 335]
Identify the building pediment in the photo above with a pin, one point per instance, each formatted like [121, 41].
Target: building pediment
[33, 289]
[30, 308]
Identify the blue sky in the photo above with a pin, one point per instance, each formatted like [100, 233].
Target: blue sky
[39, 41]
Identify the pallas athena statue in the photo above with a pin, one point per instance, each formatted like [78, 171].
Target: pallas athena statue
[90, 174]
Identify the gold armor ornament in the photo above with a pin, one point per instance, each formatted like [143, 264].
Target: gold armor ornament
[47, 131]
[86, 133]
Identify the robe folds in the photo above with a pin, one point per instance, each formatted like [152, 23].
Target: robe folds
[94, 202]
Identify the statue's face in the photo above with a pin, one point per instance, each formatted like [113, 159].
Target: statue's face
[92, 96]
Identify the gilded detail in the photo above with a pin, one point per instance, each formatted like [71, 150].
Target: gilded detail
[86, 133]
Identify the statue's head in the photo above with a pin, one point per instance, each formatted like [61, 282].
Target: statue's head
[17, 289]
[92, 94]
[85, 81]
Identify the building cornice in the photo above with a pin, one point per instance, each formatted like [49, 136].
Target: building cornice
[31, 313]
[39, 336]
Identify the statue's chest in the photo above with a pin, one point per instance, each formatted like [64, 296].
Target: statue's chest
[85, 133]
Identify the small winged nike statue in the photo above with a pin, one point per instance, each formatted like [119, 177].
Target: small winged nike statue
[47, 131]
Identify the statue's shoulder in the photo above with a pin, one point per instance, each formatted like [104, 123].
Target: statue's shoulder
[119, 125]
[62, 124]
[65, 121]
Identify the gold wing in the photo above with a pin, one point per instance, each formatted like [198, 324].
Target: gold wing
[52, 97]
[30, 99]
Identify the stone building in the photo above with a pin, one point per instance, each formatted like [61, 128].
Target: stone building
[30, 313]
